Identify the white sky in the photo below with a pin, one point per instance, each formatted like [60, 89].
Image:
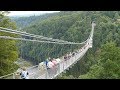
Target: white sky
[25, 13]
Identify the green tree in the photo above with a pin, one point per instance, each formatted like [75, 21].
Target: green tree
[8, 49]
[108, 64]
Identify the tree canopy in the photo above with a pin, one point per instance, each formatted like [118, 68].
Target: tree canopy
[8, 49]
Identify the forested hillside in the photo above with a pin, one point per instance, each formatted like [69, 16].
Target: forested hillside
[8, 48]
[26, 21]
[102, 61]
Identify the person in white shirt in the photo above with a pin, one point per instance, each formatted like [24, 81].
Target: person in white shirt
[24, 73]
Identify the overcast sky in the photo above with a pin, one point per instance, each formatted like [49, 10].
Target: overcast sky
[25, 13]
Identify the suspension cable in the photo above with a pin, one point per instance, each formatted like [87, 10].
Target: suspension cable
[28, 34]
[31, 35]
[23, 39]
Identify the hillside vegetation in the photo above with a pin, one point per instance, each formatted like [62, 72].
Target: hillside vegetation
[8, 48]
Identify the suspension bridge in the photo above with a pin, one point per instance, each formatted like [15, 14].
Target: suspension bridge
[35, 72]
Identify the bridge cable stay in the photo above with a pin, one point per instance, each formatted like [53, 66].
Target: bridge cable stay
[49, 50]
[38, 51]
[33, 51]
